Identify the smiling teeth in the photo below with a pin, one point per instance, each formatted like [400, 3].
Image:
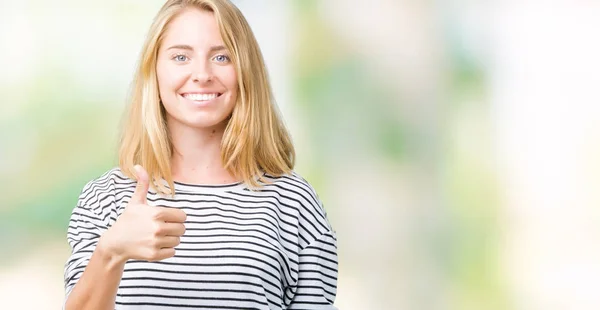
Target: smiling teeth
[201, 97]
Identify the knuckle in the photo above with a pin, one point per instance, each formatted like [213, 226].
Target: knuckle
[156, 214]
[157, 229]
[149, 254]
[154, 255]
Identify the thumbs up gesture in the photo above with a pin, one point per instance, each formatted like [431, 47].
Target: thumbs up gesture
[144, 232]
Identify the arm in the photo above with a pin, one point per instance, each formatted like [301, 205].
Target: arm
[97, 287]
[92, 273]
[95, 268]
[317, 276]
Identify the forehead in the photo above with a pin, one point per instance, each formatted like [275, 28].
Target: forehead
[194, 27]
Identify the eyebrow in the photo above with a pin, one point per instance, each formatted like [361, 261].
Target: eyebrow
[188, 47]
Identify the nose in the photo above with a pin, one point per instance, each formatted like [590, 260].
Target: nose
[202, 73]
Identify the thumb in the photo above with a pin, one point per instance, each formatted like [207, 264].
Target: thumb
[141, 189]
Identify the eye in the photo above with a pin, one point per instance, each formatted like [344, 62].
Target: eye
[180, 57]
[221, 58]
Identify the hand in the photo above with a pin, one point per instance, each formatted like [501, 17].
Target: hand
[144, 232]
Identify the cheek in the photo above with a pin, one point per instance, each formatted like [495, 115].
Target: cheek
[230, 80]
[169, 78]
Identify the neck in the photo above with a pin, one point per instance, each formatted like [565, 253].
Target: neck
[196, 157]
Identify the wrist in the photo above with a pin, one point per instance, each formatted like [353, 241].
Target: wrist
[108, 255]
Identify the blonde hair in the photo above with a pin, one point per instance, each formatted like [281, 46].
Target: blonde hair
[255, 140]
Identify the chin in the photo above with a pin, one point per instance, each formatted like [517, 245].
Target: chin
[207, 124]
[199, 118]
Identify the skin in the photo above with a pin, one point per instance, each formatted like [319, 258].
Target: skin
[192, 59]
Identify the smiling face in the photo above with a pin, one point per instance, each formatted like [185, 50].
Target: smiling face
[196, 79]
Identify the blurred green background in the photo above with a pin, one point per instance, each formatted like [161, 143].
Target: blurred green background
[455, 144]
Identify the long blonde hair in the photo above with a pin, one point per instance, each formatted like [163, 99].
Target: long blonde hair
[255, 139]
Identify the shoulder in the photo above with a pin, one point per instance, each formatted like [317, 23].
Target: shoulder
[292, 182]
[100, 191]
[295, 188]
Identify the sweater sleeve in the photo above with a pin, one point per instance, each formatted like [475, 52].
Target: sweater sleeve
[87, 223]
[317, 276]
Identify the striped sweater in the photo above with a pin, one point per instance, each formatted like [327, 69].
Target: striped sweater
[267, 249]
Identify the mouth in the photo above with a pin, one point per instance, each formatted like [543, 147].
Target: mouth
[201, 99]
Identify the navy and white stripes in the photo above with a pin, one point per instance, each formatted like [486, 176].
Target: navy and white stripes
[267, 249]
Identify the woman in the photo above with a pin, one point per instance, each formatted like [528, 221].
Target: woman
[204, 210]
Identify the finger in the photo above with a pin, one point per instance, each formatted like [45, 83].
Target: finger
[163, 253]
[141, 189]
[171, 229]
[168, 242]
[172, 215]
